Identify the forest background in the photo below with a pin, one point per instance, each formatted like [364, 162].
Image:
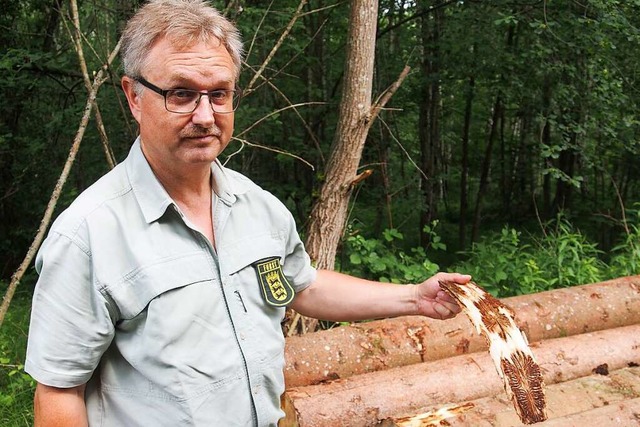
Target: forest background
[508, 151]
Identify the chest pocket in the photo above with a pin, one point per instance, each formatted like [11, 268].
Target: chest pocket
[138, 288]
[259, 322]
[239, 262]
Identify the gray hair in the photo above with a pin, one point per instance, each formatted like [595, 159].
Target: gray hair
[183, 22]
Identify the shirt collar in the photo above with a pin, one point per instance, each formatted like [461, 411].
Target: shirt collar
[227, 184]
[154, 199]
[151, 195]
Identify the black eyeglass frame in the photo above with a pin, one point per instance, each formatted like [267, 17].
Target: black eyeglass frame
[237, 95]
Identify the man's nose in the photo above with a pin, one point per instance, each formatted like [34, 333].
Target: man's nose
[203, 114]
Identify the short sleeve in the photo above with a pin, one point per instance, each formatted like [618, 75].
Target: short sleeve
[71, 323]
[297, 264]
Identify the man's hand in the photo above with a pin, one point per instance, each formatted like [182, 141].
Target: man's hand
[433, 302]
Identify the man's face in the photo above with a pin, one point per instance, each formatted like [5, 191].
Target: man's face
[177, 142]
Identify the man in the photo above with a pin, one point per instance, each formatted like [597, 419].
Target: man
[162, 287]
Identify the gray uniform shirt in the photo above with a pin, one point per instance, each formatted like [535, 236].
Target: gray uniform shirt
[165, 331]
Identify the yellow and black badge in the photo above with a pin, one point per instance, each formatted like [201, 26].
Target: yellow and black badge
[276, 289]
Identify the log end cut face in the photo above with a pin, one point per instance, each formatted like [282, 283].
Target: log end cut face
[508, 347]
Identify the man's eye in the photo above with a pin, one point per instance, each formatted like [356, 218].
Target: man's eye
[182, 94]
[218, 95]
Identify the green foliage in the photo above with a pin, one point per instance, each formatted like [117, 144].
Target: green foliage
[625, 260]
[384, 260]
[506, 264]
[562, 70]
[16, 387]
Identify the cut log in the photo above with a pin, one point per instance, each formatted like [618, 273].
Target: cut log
[566, 401]
[367, 399]
[623, 414]
[378, 345]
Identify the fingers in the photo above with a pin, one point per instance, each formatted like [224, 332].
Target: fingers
[453, 277]
[445, 310]
[448, 302]
[444, 297]
[436, 302]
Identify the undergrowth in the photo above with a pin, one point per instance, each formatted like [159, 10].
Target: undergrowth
[505, 263]
[16, 387]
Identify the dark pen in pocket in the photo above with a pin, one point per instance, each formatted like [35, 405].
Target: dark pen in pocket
[241, 300]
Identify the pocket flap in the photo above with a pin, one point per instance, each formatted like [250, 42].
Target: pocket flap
[241, 254]
[136, 290]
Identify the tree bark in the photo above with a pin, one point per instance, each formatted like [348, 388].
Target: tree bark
[429, 122]
[365, 400]
[518, 164]
[486, 167]
[546, 141]
[383, 344]
[76, 36]
[55, 9]
[596, 400]
[329, 213]
[464, 166]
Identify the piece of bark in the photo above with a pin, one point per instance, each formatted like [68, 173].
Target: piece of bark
[365, 400]
[508, 347]
[378, 345]
[436, 417]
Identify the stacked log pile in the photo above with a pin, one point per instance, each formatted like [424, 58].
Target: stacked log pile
[384, 372]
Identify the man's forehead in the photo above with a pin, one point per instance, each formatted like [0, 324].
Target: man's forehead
[185, 58]
[185, 43]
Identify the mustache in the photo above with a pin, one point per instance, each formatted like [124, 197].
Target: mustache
[199, 131]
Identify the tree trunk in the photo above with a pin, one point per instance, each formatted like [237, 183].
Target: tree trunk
[464, 166]
[486, 167]
[384, 218]
[566, 164]
[429, 122]
[546, 141]
[55, 8]
[317, 79]
[516, 181]
[329, 214]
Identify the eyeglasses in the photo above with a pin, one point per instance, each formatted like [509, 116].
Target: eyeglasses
[185, 101]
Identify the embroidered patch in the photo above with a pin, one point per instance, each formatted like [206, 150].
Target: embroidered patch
[276, 289]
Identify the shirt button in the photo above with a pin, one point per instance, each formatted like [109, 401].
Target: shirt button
[242, 337]
[256, 390]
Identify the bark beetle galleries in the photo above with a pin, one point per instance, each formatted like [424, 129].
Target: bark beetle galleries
[508, 347]
[525, 381]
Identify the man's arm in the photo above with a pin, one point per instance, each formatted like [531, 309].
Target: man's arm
[339, 297]
[57, 407]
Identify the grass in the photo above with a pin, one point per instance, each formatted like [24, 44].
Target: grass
[16, 387]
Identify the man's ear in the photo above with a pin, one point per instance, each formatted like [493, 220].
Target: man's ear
[133, 98]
